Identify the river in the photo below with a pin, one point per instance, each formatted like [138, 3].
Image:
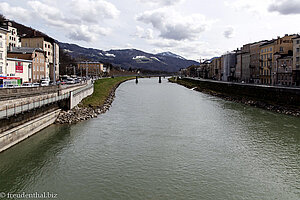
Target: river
[161, 141]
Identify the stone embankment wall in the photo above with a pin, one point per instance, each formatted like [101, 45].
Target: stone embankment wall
[279, 99]
[21, 126]
[280, 95]
[20, 133]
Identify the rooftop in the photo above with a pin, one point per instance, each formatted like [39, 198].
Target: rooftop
[25, 50]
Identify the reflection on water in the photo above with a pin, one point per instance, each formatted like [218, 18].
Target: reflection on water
[162, 141]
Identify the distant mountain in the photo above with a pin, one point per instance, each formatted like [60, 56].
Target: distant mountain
[130, 58]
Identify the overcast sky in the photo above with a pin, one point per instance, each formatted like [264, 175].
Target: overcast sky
[191, 28]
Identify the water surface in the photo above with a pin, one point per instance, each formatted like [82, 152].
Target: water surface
[162, 141]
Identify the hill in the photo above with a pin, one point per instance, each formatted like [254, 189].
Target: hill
[130, 58]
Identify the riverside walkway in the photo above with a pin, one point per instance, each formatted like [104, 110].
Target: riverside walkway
[22, 100]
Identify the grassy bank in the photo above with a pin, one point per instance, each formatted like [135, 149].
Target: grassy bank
[102, 90]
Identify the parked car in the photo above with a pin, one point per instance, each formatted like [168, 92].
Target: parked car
[45, 83]
[11, 86]
[70, 81]
[35, 85]
[27, 85]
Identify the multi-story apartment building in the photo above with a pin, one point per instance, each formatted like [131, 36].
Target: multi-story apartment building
[283, 66]
[266, 62]
[3, 51]
[229, 64]
[90, 68]
[238, 67]
[37, 57]
[245, 73]
[296, 61]
[254, 62]
[51, 49]
[13, 40]
[216, 68]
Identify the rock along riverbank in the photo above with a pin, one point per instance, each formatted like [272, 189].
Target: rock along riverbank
[82, 113]
[287, 110]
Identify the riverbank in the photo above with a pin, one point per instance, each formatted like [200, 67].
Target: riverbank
[246, 100]
[98, 103]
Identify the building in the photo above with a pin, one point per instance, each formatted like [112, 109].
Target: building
[39, 67]
[229, 64]
[238, 66]
[49, 46]
[266, 62]
[20, 69]
[255, 62]
[245, 70]
[216, 68]
[283, 66]
[296, 61]
[13, 40]
[90, 68]
[3, 51]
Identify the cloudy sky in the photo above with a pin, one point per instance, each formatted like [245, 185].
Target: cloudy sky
[191, 28]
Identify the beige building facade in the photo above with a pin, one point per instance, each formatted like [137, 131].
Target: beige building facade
[51, 50]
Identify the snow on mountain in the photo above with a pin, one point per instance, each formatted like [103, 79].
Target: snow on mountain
[110, 55]
[170, 54]
[154, 58]
[139, 57]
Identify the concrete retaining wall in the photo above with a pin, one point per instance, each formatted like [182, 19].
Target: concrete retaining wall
[269, 94]
[20, 133]
[77, 97]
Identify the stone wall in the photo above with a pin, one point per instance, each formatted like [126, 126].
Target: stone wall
[284, 96]
[21, 132]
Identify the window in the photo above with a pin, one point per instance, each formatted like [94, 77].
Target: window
[1, 64]
[281, 49]
[45, 45]
[298, 41]
[298, 50]
[270, 48]
[1, 55]
[297, 59]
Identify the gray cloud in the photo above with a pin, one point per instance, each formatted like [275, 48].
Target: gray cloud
[285, 7]
[14, 12]
[173, 25]
[162, 2]
[80, 27]
[229, 32]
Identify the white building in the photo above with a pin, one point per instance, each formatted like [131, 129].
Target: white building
[19, 68]
[13, 40]
[3, 51]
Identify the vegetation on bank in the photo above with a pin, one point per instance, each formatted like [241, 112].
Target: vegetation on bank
[102, 90]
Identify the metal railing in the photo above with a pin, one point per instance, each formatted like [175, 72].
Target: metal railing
[24, 107]
[18, 108]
